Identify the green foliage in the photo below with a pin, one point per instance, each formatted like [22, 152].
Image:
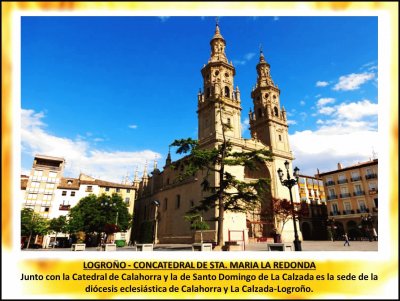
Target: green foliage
[236, 195]
[230, 194]
[196, 221]
[93, 213]
[146, 232]
[59, 224]
[33, 223]
[282, 209]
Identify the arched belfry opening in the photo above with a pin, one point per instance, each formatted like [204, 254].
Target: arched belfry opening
[227, 91]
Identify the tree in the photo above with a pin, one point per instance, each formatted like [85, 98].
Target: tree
[96, 214]
[282, 209]
[228, 193]
[57, 225]
[32, 223]
[197, 223]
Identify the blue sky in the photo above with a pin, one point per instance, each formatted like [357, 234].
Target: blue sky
[109, 93]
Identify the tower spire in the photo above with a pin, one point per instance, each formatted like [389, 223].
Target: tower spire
[262, 58]
[136, 181]
[218, 46]
[168, 160]
[155, 162]
[145, 176]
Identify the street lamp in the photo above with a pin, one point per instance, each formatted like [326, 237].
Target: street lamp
[156, 204]
[110, 205]
[331, 224]
[289, 183]
[368, 223]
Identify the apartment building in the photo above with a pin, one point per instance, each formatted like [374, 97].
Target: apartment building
[47, 192]
[313, 221]
[352, 198]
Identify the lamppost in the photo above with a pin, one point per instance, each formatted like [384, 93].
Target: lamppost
[289, 183]
[368, 221]
[110, 205]
[156, 205]
[331, 224]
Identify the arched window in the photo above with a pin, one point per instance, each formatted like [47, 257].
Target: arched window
[259, 112]
[178, 201]
[227, 92]
[276, 111]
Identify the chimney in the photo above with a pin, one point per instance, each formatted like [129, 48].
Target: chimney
[339, 166]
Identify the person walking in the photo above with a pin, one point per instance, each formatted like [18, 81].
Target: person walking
[346, 240]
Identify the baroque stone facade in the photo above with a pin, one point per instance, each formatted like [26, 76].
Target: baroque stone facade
[163, 199]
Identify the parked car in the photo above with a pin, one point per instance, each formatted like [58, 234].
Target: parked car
[54, 244]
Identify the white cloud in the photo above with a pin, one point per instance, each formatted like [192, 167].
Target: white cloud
[302, 102]
[238, 62]
[347, 136]
[352, 81]
[80, 156]
[247, 57]
[245, 125]
[370, 66]
[98, 139]
[291, 122]
[321, 84]
[326, 110]
[357, 110]
[164, 18]
[132, 126]
[323, 101]
[324, 148]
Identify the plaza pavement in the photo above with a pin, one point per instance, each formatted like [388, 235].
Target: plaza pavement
[312, 246]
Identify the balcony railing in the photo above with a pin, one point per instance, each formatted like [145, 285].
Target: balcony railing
[332, 197]
[371, 176]
[329, 183]
[356, 193]
[64, 207]
[363, 210]
[342, 181]
[373, 191]
[335, 213]
[354, 179]
[345, 195]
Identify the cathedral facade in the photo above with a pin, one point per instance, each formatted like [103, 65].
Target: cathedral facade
[164, 198]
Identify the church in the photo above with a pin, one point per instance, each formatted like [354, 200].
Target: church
[163, 198]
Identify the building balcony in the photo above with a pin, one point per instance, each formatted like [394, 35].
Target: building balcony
[64, 207]
[332, 197]
[354, 179]
[345, 195]
[371, 176]
[373, 191]
[330, 183]
[363, 210]
[334, 213]
[342, 181]
[358, 193]
[346, 212]
[47, 167]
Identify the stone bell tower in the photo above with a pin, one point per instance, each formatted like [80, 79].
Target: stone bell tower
[268, 122]
[219, 102]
